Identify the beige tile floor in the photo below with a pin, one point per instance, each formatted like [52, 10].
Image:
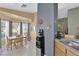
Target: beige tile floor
[28, 50]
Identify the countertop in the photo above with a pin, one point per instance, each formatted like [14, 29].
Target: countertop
[68, 47]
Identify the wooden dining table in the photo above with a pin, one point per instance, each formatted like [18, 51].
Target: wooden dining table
[16, 39]
[12, 38]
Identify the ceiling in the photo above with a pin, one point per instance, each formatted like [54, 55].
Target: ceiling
[30, 7]
[64, 7]
[67, 5]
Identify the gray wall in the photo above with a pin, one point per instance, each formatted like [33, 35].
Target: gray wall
[10, 28]
[48, 14]
[73, 21]
[21, 28]
[0, 33]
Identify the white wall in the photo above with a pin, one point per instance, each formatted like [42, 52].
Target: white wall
[73, 21]
[64, 7]
[62, 13]
[34, 25]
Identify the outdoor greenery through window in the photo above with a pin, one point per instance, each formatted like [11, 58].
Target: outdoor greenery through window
[15, 29]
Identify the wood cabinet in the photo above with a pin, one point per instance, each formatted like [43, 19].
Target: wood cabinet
[59, 49]
[59, 52]
[69, 53]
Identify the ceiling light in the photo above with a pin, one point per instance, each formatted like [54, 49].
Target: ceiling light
[23, 5]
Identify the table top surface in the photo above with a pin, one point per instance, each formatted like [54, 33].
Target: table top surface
[14, 37]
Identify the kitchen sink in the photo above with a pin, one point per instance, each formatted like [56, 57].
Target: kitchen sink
[65, 41]
[71, 43]
[75, 47]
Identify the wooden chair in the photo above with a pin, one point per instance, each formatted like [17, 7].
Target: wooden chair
[25, 40]
[21, 39]
[9, 43]
[18, 41]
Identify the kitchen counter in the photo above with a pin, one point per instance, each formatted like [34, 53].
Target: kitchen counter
[67, 47]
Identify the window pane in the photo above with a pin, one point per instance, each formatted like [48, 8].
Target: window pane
[4, 29]
[15, 29]
[25, 28]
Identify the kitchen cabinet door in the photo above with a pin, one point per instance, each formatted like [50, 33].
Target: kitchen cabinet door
[59, 49]
[70, 53]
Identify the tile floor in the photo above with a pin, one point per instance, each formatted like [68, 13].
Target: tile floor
[28, 50]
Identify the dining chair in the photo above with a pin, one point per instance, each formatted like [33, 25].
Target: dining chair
[25, 40]
[19, 41]
[9, 43]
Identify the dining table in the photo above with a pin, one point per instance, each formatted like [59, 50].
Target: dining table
[17, 39]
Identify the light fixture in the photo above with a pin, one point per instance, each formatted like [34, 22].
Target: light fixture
[24, 5]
